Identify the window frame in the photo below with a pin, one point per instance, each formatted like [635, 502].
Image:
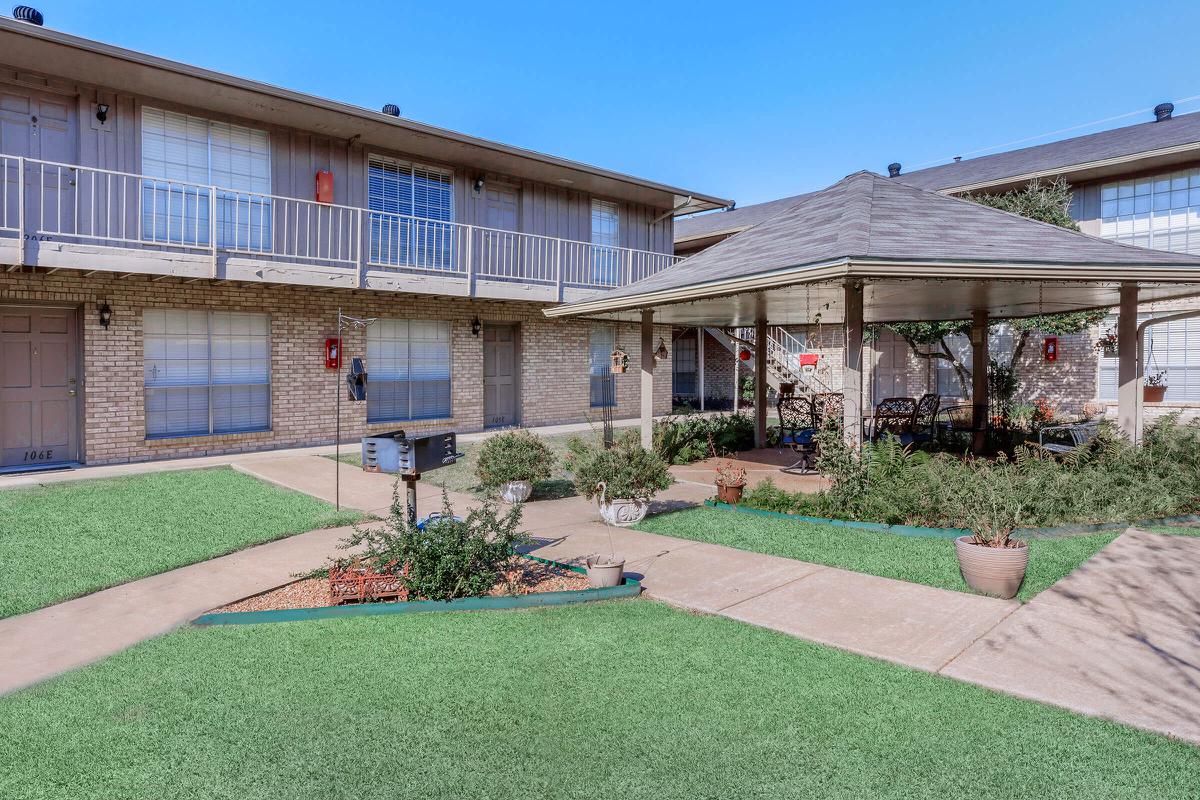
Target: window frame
[605, 366]
[209, 384]
[1159, 211]
[606, 256]
[395, 240]
[445, 325]
[1109, 364]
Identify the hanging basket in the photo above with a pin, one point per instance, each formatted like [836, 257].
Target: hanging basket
[620, 361]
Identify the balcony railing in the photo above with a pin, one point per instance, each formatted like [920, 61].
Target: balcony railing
[50, 202]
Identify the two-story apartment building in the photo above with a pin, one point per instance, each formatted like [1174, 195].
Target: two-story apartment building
[175, 246]
[1138, 184]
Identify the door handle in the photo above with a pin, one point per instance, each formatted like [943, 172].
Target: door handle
[71, 393]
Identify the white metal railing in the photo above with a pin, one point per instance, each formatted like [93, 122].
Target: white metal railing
[783, 357]
[64, 202]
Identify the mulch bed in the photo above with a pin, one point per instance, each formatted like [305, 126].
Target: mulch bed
[522, 576]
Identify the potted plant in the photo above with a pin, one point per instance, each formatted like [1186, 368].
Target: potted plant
[620, 360]
[731, 481]
[512, 462]
[990, 499]
[1155, 389]
[622, 479]
[1107, 344]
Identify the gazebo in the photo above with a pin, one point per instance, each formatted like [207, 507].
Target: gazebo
[870, 250]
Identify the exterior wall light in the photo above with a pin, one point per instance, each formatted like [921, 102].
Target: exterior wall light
[102, 112]
[478, 185]
[105, 316]
[476, 326]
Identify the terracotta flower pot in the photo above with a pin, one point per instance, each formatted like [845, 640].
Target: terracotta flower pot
[516, 491]
[996, 571]
[730, 494]
[603, 571]
[1153, 394]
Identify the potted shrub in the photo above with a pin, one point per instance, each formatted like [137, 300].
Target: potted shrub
[990, 499]
[1155, 389]
[621, 479]
[512, 462]
[620, 360]
[731, 481]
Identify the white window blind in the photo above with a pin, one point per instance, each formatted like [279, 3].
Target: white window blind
[685, 361]
[411, 207]
[206, 372]
[601, 343]
[408, 370]
[606, 235]
[1000, 348]
[1161, 212]
[184, 155]
[1172, 348]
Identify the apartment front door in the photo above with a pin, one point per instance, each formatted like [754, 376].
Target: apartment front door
[39, 388]
[500, 251]
[40, 126]
[499, 375]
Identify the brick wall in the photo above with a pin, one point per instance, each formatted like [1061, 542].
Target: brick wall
[554, 383]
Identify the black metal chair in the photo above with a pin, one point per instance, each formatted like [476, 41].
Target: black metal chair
[1069, 437]
[798, 429]
[828, 409]
[953, 420]
[925, 421]
[894, 416]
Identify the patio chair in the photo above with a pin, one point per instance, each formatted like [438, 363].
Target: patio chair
[952, 420]
[925, 421]
[798, 430]
[894, 416]
[1072, 436]
[828, 409]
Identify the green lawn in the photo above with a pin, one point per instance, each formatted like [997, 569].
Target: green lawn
[918, 559]
[460, 477]
[68, 539]
[624, 699]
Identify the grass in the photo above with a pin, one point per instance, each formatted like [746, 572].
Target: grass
[623, 699]
[918, 559]
[460, 477]
[67, 539]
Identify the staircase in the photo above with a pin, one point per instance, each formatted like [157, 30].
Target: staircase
[783, 357]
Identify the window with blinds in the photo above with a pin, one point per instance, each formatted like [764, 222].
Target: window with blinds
[606, 236]
[182, 156]
[685, 362]
[408, 370]
[1172, 348]
[1161, 212]
[411, 210]
[601, 343]
[206, 372]
[1001, 342]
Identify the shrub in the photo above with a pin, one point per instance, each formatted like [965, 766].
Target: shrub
[627, 469]
[513, 456]
[682, 440]
[447, 559]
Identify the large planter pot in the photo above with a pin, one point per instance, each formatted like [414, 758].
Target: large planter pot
[730, 494]
[623, 512]
[996, 571]
[603, 572]
[1153, 394]
[516, 491]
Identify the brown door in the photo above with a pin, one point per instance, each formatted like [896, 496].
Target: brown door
[38, 386]
[499, 375]
[41, 126]
[500, 252]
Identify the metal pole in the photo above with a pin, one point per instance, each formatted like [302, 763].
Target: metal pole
[410, 498]
[337, 437]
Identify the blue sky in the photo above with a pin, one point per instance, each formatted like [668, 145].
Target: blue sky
[742, 100]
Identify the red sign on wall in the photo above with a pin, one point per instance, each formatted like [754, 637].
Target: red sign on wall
[1050, 348]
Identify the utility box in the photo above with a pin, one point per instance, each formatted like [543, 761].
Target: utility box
[396, 453]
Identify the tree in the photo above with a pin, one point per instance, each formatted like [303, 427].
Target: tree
[1046, 202]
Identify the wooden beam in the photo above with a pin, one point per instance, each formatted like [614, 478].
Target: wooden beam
[979, 381]
[647, 379]
[852, 364]
[1128, 383]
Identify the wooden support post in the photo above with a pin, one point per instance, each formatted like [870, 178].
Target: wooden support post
[852, 364]
[1128, 383]
[647, 379]
[700, 364]
[979, 381]
[760, 382]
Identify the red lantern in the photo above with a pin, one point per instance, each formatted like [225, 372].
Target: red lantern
[744, 354]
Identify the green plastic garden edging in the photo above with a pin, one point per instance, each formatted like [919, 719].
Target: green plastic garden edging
[953, 533]
[628, 588]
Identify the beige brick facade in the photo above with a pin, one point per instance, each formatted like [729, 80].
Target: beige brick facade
[553, 360]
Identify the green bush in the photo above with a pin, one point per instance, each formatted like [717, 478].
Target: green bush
[448, 559]
[513, 456]
[1109, 481]
[682, 440]
[627, 469]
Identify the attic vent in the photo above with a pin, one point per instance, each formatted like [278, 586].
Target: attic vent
[1163, 111]
[28, 14]
[392, 110]
[893, 169]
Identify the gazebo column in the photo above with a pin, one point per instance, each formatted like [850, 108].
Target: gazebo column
[852, 364]
[760, 382]
[647, 379]
[979, 381]
[1128, 385]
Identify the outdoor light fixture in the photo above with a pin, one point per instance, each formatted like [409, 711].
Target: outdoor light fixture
[479, 184]
[102, 112]
[661, 353]
[105, 316]
[476, 326]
